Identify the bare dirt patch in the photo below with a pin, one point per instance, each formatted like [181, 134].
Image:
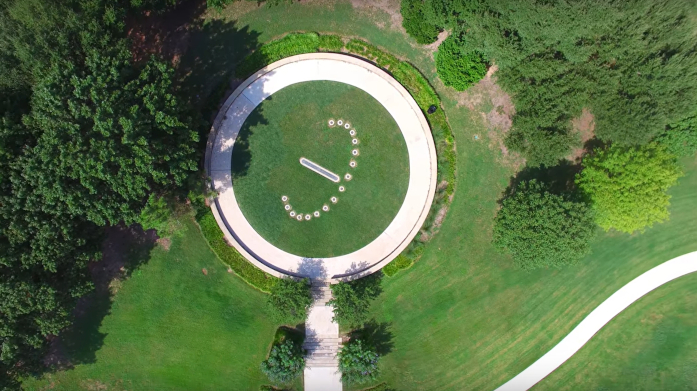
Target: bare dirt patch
[584, 126]
[494, 108]
[442, 36]
[165, 243]
[391, 7]
[166, 35]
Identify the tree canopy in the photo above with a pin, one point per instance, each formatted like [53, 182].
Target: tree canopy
[352, 299]
[540, 229]
[86, 135]
[632, 63]
[627, 186]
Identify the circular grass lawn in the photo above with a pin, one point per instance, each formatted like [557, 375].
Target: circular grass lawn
[293, 124]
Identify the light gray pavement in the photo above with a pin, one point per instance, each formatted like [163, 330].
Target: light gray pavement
[585, 330]
[322, 343]
[401, 106]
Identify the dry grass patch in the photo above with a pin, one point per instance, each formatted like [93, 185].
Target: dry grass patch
[493, 109]
[584, 126]
[390, 7]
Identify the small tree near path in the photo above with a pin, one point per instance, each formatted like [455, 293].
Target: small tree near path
[352, 299]
[290, 300]
[358, 362]
[285, 362]
[627, 186]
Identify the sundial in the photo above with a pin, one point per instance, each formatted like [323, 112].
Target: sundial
[342, 181]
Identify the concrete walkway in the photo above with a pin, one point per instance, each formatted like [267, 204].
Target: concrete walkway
[585, 330]
[403, 109]
[322, 343]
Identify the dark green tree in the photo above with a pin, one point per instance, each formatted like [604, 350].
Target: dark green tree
[109, 134]
[456, 68]
[540, 229]
[680, 138]
[416, 23]
[352, 299]
[290, 300]
[285, 363]
[358, 362]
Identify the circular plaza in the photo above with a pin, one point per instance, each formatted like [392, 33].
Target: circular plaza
[323, 166]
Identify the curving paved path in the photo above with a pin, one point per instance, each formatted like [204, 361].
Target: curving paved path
[401, 106]
[585, 330]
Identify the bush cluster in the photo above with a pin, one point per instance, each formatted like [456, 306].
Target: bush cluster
[358, 362]
[352, 299]
[416, 24]
[290, 300]
[285, 363]
[457, 68]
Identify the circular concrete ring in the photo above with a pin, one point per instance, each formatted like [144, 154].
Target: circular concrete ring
[403, 109]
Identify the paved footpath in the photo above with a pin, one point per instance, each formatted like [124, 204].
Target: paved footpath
[322, 343]
[585, 330]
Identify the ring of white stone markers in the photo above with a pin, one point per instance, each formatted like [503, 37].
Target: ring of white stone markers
[284, 198]
[325, 208]
[334, 200]
[299, 217]
[352, 132]
[292, 213]
[331, 122]
[347, 177]
[352, 163]
[347, 125]
[354, 141]
[340, 122]
[316, 213]
[308, 217]
[287, 207]
[342, 69]
[342, 189]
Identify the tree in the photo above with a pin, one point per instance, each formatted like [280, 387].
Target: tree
[416, 23]
[457, 68]
[358, 362]
[285, 362]
[108, 135]
[633, 64]
[680, 138]
[352, 299]
[540, 229]
[627, 186]
[290, 300]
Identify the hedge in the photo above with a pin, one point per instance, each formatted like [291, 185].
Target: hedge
[245, 270]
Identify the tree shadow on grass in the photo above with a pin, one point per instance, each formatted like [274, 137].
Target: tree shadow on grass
[123, 252]
[377, 335]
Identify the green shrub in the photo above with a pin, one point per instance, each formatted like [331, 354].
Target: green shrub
[290, 300]
[245, 270]
[457, 68]
[397, 264]
[540, 229]
[352, 299]
[680, 139]
[358, 362]
[628, 186]
[415, 22]
[285, 363]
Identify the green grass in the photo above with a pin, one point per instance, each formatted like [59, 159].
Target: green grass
[649, 346]
[170, 327]
[245, 270]
[293, 123]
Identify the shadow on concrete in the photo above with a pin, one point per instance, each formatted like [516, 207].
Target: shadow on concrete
[312, 268]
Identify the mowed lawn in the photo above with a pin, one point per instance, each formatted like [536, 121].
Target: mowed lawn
[293, 123]
[649, 346]
[171, 327]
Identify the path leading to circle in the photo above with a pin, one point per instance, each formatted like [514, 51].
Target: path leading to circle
[399, 104]
[607, 310]
[322, 343]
